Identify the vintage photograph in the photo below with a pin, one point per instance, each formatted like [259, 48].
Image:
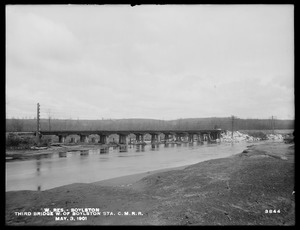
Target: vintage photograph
[149, 115]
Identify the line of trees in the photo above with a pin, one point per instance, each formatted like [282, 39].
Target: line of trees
[29, 125]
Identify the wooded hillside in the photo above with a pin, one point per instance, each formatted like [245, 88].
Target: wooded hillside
[29, 125]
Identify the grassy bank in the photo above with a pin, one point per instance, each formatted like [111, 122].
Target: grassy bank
[230, 191]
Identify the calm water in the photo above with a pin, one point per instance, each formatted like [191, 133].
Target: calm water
[94, 165]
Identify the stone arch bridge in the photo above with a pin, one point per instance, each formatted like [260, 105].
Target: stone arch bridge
[175, 135]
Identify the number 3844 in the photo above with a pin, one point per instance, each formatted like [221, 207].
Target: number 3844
[272, 211]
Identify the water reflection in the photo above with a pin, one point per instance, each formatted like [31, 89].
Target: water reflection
[38, 167]
[140, 148]
[167, 145]
[84, 152]
[123, 148]
[62, 154]
[38, 171]
[154, 147]
[184, 144]
[104, 150]
[47, 173]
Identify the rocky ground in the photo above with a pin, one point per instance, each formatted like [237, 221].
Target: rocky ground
[237, 190]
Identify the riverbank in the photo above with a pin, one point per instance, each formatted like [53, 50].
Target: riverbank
[230, 191]
[59, 148]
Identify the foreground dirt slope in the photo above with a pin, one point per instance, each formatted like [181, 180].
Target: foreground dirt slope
[228, 191]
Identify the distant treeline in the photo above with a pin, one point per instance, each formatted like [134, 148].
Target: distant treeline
[29, 125]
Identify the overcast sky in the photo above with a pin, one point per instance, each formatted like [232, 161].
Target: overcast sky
[161, 62]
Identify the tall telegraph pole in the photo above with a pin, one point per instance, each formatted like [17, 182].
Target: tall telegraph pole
[49, 113]
[38, 127]
[273, 124]
[232, 125]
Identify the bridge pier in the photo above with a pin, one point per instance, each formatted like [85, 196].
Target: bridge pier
[142, 138]
[84, 138]
[123, 139]
[216, 136]
[172, 137]
[191, 138]
[155, 138]
[139, 138]
[210, 137]
[166, 137]
[102, 139]
[178, 137]
[183, 137]
[169, 136]
[73, 140]
[200, 137]
[62, 138]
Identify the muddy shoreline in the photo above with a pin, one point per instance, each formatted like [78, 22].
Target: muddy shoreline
[236, 190]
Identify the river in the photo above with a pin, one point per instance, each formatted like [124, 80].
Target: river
[53, 170]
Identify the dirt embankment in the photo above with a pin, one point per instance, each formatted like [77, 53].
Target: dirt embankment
[229, 191]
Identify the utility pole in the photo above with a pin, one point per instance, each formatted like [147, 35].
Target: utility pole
[49, 114]
[232, 125]
[273, 124]
[38, 127]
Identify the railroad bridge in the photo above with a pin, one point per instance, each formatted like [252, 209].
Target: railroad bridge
[175, 135]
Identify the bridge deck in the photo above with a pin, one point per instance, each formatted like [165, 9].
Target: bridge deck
[126, 132]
